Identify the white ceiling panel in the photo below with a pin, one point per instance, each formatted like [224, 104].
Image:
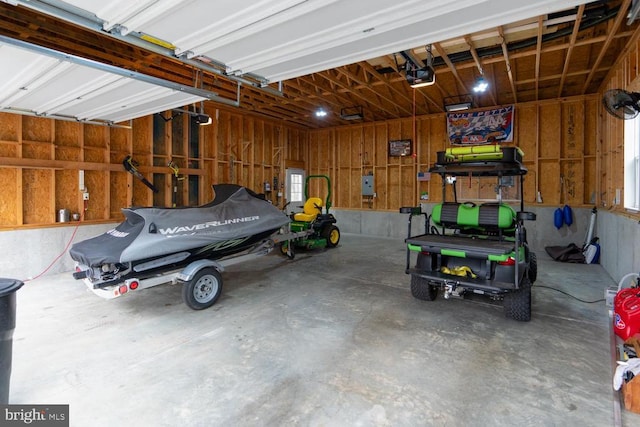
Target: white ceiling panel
[33, 82]
[283, 39]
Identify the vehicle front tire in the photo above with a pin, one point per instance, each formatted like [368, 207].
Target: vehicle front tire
[517, 304]
[421, 290]
[203, 290]
[332, 234]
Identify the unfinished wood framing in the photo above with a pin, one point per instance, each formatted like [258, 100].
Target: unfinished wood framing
[559, 141]
[40, 160]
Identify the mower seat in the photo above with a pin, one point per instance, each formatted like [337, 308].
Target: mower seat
[310, 211]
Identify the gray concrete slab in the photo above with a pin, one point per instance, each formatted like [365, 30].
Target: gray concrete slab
[333, 337]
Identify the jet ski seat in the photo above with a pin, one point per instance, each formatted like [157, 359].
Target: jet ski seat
[312, 207]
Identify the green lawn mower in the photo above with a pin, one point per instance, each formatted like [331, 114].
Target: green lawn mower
[315, 225]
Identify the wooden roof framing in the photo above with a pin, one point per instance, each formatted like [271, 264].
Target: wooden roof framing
[523, 61]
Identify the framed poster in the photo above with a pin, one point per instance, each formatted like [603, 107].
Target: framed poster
[400, 148]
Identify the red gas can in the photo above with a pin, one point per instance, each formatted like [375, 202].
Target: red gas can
[626, 313]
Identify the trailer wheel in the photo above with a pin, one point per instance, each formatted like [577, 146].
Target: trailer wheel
[286, 249]
[422, 290]
[332, 234]
[517, 304]
[203, 290]
[533, 267]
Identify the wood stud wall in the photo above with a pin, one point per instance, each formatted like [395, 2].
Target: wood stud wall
[558, 138]
[610, 157]
[40, 159]
[574, 153]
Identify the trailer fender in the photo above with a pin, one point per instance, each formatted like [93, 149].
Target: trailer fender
[190, 270]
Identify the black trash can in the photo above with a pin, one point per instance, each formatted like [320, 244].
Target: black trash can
[8, 288]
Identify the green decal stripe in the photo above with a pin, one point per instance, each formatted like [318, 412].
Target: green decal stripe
[499, 258]
[452, 252]
[415, 248]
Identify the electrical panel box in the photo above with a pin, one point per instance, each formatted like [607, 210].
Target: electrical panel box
[367, 185]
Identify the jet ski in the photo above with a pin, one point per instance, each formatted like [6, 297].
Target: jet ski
[154, 240]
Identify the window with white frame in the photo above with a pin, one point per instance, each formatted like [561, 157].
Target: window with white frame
[632, 164]
[296, 187]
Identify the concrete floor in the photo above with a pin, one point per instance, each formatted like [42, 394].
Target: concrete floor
[333, 338]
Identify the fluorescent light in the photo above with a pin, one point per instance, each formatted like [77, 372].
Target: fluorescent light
[458, 107]
[352, 113]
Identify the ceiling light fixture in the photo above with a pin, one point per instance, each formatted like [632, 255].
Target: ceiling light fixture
[321, 113]
[481, 85]
[458, 103]
[352, 113]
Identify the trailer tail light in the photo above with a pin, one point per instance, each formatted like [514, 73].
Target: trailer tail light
[425, 253]
[123, 289]
[510, 261]
[134, 285]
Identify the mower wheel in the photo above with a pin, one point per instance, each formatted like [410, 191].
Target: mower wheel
[422, 290]
[517, 304]
[332, 234]
[203, 290]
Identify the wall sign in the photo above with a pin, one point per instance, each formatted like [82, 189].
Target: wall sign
[481, 127]
[400, 148]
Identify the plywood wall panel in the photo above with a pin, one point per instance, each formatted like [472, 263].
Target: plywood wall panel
[550, 131]
[98, 185]
[357, 144]
[9, 201]
[591, 126]
[381, 188]
[368, 147]
[119, 144]
[40, 151]
[8, 150]
[343, 191]
[37, 129]
[66, 185]
[355, 199]
[11, 128]
[96, 136]
[343, 147]
[70, 153]
[526, 123]
[590, 181]
[143, 140]
[393, 187]
[549, 180]
[68, 134]
[118, 194]
[381, 144]
[572, 130]
[408, 182]
[37, 186]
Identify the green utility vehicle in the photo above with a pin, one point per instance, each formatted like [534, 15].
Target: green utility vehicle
[315, 225]
[475, 248]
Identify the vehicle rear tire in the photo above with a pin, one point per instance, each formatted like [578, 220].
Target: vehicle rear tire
[533, 267]
[332, 234]
[422, 290]
[517, 304]
[203, 290]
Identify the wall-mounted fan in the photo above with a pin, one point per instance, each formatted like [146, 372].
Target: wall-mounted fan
[621, 104]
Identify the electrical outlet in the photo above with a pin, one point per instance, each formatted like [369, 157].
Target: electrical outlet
[85, 196]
